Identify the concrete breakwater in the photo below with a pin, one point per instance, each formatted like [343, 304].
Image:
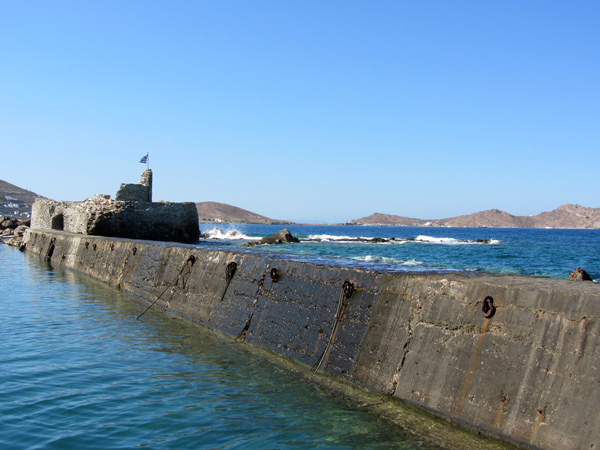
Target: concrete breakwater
[524, 370]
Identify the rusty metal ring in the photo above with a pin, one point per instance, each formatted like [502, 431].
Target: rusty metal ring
[274, 275]
[230, 271]
[487, 307]
[347, 289]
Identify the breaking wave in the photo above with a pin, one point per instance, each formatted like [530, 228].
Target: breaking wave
[387, 260]
[333, 238]
[453, 241]
[378, 240]
[230, 234]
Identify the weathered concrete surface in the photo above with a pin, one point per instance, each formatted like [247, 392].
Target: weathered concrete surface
[529, 374]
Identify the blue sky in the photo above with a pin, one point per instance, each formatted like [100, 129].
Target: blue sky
[312, 110]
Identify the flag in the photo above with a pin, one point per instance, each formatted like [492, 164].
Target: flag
[144, 160]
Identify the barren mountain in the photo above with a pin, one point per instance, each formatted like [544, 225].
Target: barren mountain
[221, 212]
[388, 219]
[569, 216]
[489, 218]
[15, 201]
[565, 216]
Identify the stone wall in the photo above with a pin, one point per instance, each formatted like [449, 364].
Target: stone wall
[528, 374]
[141, 192]
[132, 215]
[159, 221]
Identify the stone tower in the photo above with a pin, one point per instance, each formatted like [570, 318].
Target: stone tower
[141, 192]
[146, 180]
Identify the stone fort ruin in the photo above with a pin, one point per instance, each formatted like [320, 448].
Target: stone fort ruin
[141, 192]
[131, 215]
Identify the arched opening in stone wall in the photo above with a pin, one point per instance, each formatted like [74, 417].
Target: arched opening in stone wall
[57, 222]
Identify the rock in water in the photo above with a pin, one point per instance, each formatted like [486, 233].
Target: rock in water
[579, 275]
[284, 236]
[7, 222]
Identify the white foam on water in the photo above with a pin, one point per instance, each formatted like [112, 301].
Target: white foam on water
[436, 240]
[453, 241]
[329, 238]
[387, 260]
[352, 239]
[227, 235]
[419, 239]
[413, 262]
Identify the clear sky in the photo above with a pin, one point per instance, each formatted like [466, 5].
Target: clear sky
[306, 110]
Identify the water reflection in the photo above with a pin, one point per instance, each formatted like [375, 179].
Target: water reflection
[82, 372]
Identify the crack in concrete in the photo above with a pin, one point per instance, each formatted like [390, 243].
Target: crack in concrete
[415, 312]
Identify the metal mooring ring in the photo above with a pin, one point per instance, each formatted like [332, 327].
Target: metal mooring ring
[348, 289]
[274, 275]
[487, 307]
[230, 271]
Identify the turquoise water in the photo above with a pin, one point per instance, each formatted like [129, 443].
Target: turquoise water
[79, 371]
[550, 253]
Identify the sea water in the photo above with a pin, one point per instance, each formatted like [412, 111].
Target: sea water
[550, 253]
[79, 371]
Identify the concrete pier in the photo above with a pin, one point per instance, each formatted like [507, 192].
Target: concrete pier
[524, 368]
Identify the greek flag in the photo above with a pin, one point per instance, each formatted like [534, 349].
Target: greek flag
[144, 160]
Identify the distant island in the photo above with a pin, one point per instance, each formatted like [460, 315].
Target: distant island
[16, 201]
[565, 216]
[220, 212]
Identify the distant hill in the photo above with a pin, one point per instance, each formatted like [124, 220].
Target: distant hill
[221, 212]
[388, 219]
[565, 216]
[15, 201]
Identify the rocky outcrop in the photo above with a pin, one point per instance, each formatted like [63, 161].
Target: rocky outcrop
[12, 230]
[8, 223]
[579, 275]
[283, 237]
